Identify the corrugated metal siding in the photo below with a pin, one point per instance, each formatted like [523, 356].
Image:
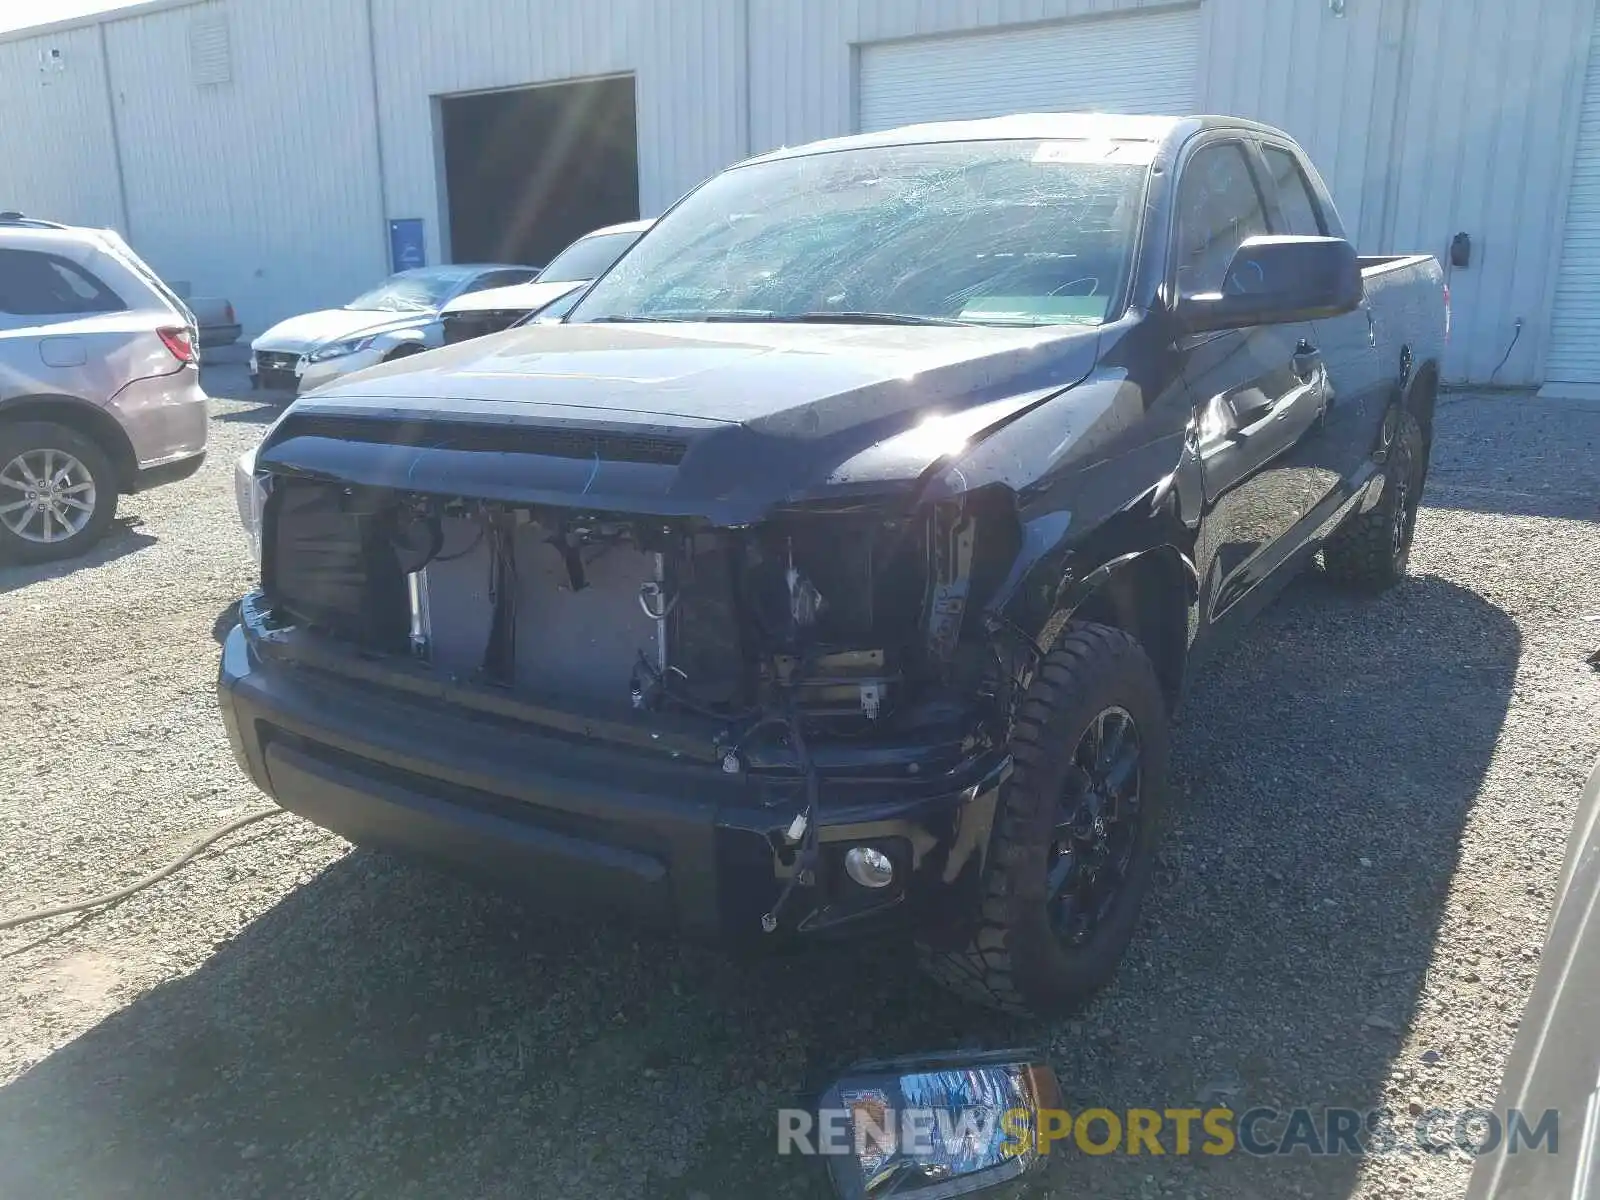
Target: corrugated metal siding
[264, 188]
[56, 157]
[687, 57]
[1428, 118]
[1133, 63]
[1489, 128]
[1293, 64]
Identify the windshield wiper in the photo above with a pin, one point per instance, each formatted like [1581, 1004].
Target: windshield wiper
[767, 317]
[868, 318]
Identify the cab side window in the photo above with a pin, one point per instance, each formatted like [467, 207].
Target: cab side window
[1295, 201]
[1219, 207]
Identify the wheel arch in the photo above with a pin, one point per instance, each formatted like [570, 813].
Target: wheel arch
[402, 343]
[1149, 595]
[83, 418]
[1421, 397]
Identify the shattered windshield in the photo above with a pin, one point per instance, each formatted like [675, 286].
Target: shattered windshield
[421, 290]
[991, 233]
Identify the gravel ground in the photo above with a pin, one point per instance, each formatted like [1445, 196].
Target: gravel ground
[1351, 910]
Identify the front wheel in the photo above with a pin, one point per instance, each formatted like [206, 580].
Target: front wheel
[58, 492]
[1076, 833]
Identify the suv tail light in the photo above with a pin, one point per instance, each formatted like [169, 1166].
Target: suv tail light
[179, 342]
[1447, 313]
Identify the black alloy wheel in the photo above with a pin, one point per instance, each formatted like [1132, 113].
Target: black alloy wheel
[1097, 826]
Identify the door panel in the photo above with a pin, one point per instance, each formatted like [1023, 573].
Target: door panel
[1357, 395]
[1258, 392]
[1335, 456]
[1255, 410]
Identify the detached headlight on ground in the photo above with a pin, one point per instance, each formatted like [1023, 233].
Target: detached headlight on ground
[936, 1127]
[340, 349]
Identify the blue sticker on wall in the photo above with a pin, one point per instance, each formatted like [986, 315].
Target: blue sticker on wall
[408, 248]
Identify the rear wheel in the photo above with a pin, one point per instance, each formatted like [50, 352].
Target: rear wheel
[58, 492]
[1371, 552]
[1076, 834]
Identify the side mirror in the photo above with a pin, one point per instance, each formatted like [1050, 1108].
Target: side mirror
[1278, 280]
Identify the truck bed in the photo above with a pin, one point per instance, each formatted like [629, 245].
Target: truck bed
[1372, 264]
[1407, 298]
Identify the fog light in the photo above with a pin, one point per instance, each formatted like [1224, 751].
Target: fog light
[868, 867]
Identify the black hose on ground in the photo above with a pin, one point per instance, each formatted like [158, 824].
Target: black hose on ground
[138, 885]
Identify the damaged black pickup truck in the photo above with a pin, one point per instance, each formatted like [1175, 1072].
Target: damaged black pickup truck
[837, 565]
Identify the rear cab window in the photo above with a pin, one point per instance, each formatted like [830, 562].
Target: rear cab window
[37, 284]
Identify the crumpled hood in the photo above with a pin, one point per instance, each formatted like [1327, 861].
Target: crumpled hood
[734, 418]
[310, 330]
[519, 297]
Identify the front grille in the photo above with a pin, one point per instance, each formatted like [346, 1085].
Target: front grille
[275, 369]
[505, 439]
[463, 327]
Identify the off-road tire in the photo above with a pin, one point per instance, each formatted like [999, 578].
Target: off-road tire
[24, 437]
[1371, 551]
[1014, 962]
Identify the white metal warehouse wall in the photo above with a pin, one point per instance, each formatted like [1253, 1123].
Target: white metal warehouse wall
[1427, 117]
[56, 147]
[268, 180]
[687, 57]
[1471, 131]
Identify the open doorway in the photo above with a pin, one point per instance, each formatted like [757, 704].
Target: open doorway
[527, 170]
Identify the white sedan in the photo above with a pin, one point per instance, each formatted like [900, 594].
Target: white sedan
[398, 317]
[491, 310]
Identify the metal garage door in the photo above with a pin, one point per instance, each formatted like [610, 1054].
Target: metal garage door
[1136, 64]
[1574, 355]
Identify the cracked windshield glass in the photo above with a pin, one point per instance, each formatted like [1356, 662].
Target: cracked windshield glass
[986, 233]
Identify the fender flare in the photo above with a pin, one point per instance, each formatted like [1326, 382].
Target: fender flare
[1075, 590]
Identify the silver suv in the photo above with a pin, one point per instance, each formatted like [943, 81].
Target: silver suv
[99, 386]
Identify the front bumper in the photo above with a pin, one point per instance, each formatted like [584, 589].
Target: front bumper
[669, 841]
[289, 371]
[315, 374]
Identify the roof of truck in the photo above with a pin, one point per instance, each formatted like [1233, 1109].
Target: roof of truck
[1026, 126]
